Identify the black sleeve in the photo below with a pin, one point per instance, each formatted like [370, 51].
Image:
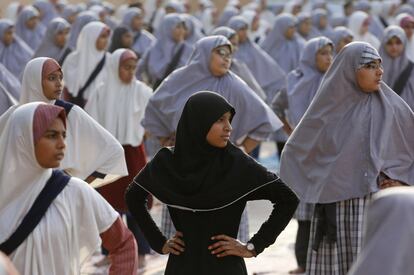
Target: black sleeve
[136, 200]
[284, 202]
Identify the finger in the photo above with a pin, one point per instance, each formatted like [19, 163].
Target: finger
[221, 249]
[218, 244]
[179, 234]
[222, 237]
[230, 252]
[179, 241]
[174, 251]
[176, 246]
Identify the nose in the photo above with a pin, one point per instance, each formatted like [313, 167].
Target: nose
[61, 142]
[380, 71]
[59, 83]
[228, 127]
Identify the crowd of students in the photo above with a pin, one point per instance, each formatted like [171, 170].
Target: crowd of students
[105, 107]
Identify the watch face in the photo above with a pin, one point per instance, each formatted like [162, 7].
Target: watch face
[250, 246]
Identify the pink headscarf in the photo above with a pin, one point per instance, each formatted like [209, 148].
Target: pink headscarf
[43, 117]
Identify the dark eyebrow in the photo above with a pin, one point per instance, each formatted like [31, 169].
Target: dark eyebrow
[54, 131]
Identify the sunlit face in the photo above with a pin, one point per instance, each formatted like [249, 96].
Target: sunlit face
[52, 85]
[369, 76]
[220, 61]
[136, 23]
[50, 148]
[179, 32]
[127, 70]
[8, 36]
[102, 41]
[242, 33]
[394, 47]
[219, 133]
[61, 37]
[324, 58]
[343, 42]
[32, 22]
[290, 32]
[305, 27]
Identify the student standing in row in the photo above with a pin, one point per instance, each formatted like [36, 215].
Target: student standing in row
[354, 139]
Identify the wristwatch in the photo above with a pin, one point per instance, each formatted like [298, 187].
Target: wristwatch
[250, 247]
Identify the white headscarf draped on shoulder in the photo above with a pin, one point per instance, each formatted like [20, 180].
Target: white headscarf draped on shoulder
[90, 147]
[347, 137]
[79, 64]
[356, 21]
[75, 205]
[120, 107]
[165, 107]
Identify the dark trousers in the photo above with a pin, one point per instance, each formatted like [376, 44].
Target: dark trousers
[302, 242]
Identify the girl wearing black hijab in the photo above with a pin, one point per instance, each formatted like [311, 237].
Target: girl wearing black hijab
[206, 181]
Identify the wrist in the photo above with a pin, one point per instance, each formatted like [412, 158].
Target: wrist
[251, 248]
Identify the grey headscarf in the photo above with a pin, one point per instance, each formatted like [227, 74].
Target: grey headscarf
[82, 19]
[388, 234]
[265, 70]
[239, 67]
[6, 100]
[393, 67]
[34, 37]
[347, 137]
[285, 52]
[316, 15]
[157, 58]
[10, 82]
[143, 40]
[194, 28]
[340, 33]
[304, 81]
[69, 10]
[129, 14]
[164, 108]
[14, 56]
[301, 18]
[47, 9]
[48, 47]
[227, 14]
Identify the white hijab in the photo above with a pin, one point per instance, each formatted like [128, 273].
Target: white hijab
[356, 20]
[69, 232]
[410, 42]
[79, 64]
[120, 107]
[90, 147]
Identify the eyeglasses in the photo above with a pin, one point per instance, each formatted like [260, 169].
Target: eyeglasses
[223, 53]
[372, 66]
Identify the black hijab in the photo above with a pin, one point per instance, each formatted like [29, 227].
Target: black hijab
[116, 40]
[196, 175]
